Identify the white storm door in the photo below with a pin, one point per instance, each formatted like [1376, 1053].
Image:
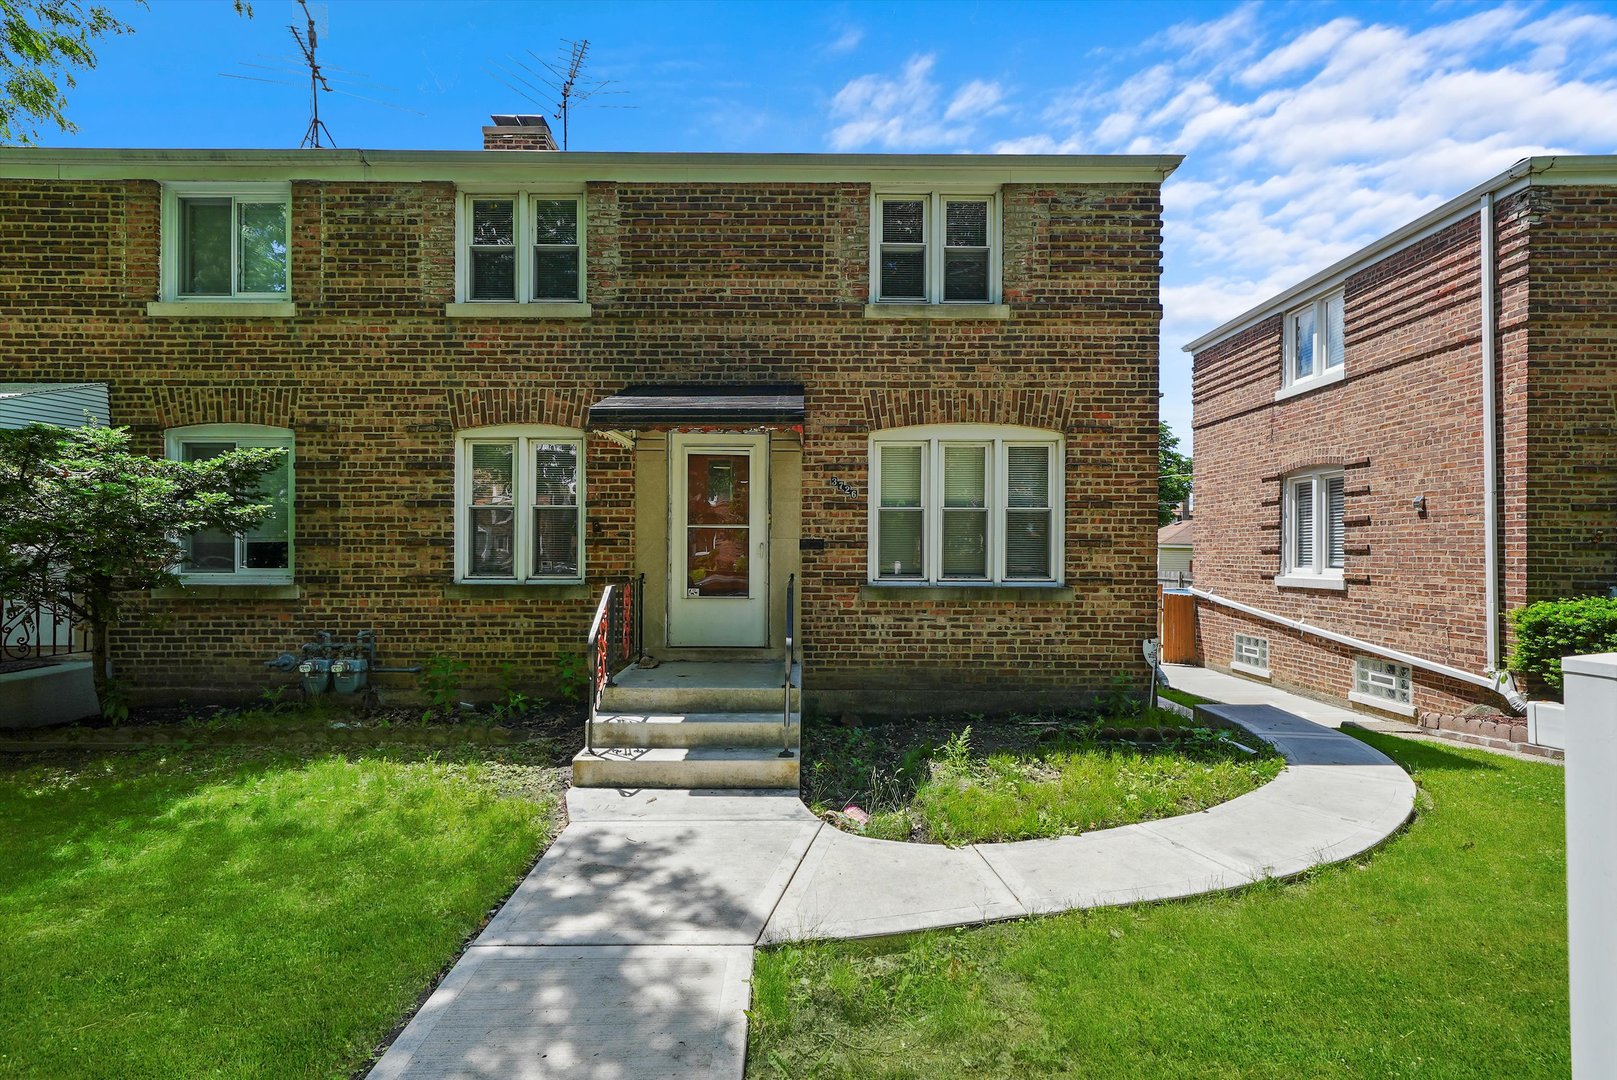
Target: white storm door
[718, 589]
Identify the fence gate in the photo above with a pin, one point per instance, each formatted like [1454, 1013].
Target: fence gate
[1178, 616]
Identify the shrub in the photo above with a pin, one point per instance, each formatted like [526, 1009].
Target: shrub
[1551, 629]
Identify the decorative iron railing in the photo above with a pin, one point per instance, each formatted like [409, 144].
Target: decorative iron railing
[30, 631]
[615, 641]
[791, 658]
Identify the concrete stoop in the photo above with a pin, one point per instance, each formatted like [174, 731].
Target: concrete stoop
[694, 725]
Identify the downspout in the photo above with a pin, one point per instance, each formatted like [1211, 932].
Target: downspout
[1502, 682]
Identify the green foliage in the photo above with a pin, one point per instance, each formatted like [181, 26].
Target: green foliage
[1551, 629]
[1173, 474]
[572, 676]
[512, 704]
[42, 43]
[441, 678]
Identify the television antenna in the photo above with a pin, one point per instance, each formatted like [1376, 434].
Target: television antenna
[567, 89]
[308, 41]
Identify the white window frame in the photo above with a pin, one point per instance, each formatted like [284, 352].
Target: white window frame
[173, 224]
[1317, 573]
[933, 439]
[524, 435]
[244, 436]
[933, 229]
[1257, 648]
[525, 230]
[1382, 689]
[1325, 372]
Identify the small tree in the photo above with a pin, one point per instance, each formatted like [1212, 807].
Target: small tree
[1173, 474]
[84, 522]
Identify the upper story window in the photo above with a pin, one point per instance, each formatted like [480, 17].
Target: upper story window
[522, 248]
[519, 505]
[1314, 343]
[936, 249]
[1312, 546]
[227, 242]
[965, 504]
[262, 555]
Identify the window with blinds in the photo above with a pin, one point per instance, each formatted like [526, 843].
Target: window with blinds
[935, 249]
[964, 505]
[522, 248]
[1315, 345]
[1314, 507]
[521, 506]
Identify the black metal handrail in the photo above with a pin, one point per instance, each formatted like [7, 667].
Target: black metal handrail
[31, 631]
[615, 641]
[791, 656]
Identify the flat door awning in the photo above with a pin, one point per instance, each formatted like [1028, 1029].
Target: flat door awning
[644, 407]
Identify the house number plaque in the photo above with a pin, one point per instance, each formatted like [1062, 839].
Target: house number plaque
[842, 487]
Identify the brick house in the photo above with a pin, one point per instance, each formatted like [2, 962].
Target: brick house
[1409, 444]
[925, 385]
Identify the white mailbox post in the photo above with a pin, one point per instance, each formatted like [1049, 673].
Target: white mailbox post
[1591, 860]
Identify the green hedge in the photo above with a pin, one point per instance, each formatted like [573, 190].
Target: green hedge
[1551, 629]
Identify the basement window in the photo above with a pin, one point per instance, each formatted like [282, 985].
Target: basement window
[1382, 684]
[1251, 655]
[263, 554]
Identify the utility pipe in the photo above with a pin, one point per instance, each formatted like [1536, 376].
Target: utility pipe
[1490, 423]
[1499, 684]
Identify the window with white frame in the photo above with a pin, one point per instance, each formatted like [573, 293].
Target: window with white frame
[963, 504]
[1314, 340]
[935, 249]
[1251, 654]
[1381, 683]
[522, 248]
[227, 242]
[1312, 543]
[519, 505]
[263, 554]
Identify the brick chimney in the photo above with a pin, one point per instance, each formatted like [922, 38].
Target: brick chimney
[525, 131]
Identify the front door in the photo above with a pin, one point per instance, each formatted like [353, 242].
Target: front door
[718, 592]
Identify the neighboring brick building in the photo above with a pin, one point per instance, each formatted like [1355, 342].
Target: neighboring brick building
[1344, 482]
[507, 378]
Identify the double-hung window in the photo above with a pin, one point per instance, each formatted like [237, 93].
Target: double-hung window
[936, 249]
[227, 242]
[519, 505]
[1314, 345]
[263, 554]
[965, 504]
[522, 248]
[1312, 545]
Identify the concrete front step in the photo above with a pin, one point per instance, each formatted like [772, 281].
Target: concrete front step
[665, 730]
[686, 767]
[701, 687]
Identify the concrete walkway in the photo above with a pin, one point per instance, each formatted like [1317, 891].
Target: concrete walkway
[627, 951]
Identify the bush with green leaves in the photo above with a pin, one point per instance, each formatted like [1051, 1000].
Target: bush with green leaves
[1551, 629]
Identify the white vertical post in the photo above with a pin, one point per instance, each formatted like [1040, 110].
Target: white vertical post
[1591, 859]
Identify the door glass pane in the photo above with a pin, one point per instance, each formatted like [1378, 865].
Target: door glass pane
[718, 492]
[205, 258]
[262, 247]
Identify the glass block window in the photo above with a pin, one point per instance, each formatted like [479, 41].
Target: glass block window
[1252, 653]
[934, 248]
[1378, 680]
[521, 248]
[521, 513]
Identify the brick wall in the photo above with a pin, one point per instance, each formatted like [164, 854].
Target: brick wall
[705, 283]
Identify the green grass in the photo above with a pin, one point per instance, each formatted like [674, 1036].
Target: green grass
[1184, 697]
[1441, 955]
[243, 912]
[1015, 781]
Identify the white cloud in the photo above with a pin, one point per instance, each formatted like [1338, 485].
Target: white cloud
[907, 112]
[976, 100]
[847, 41]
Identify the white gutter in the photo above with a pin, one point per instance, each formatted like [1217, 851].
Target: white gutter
[1490, 420]
[1500, 685]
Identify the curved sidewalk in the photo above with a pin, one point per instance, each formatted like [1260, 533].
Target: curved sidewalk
[627, 950]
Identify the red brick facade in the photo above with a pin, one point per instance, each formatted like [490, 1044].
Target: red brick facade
[1406, 421]
[689, 282]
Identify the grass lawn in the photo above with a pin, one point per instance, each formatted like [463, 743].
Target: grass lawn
[1184, 697]
[245, 912]
[1444, 954]
[1014, 780]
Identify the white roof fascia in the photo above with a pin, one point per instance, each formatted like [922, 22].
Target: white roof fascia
[1580, 169]
[516, 166]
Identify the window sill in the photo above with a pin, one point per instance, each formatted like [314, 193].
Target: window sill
[1313, 382]
[1398, 708]
[244, 591]
[518, 311]
[1248, 669]
[990, 312]
[221, 309]
[1311, 581]
[1033, 594]
[539, 590]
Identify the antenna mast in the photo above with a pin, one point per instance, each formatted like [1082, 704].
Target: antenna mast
[569, 80]
[317, 81]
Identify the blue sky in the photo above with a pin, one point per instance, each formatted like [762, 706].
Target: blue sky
[1308, 129]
